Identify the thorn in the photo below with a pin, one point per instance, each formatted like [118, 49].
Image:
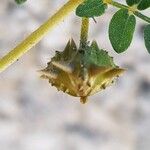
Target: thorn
[103, 86]
[57, 52]
[88, 42]
[81, 89]
[89, 84]
[112, 81]
[83, 100]
[66, 91]
[73, 44]
[115, 72]
[61, 86]
[52, 84]
[44, 77]
[47, 74]
[94, 70]
[63, 66]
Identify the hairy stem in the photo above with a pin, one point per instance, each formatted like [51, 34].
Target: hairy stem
[141, 16]
[135, 12]
[84, 32]
[37, 35]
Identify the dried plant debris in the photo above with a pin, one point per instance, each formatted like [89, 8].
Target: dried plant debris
[81, 72]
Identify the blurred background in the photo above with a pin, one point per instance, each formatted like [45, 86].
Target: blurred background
[35, 116]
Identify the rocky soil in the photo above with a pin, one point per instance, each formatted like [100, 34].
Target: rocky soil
[34, 116]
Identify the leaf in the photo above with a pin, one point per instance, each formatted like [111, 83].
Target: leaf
[132, 2]
[121, 30]
[147, 37]
[144, 4]
[20, 1]
[141, 4]
[91, 8]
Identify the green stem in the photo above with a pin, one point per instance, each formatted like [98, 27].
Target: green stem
[141, 16]
[37, 35]
[118, 5]
[135, 12]
[84, 32]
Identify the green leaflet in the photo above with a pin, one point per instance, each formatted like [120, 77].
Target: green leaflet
[121, 30]
[144, 4]
[91, 8]
[20, 1]
[132, 2]
[141, 4]
[147, 37]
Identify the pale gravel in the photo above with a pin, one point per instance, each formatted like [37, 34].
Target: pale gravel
[34, 116]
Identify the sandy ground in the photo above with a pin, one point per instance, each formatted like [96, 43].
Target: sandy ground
[34, 116]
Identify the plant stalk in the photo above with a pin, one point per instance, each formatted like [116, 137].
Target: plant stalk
[141, 16]
[84, 32]
[38, 34]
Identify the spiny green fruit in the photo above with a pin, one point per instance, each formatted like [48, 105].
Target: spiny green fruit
[81, 72]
